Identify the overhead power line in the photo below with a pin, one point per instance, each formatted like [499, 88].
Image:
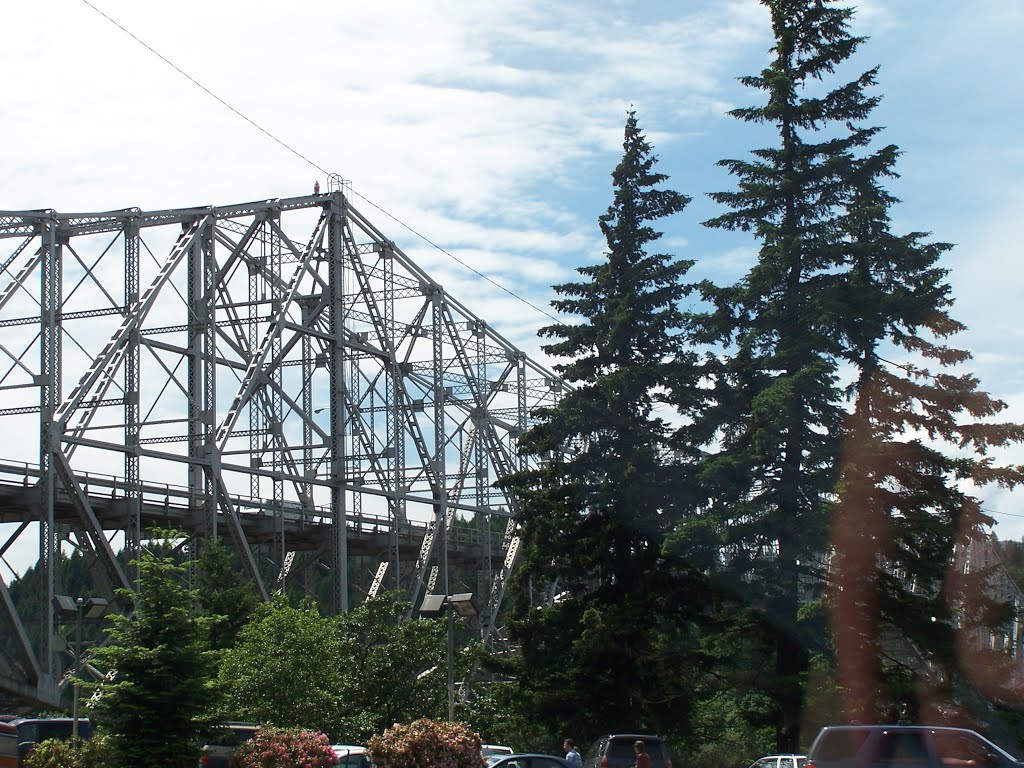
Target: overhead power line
[313, 164]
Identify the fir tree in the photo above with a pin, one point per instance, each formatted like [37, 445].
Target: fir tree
[223, 594]
[161, 700]
[833, 287]
[773, 426]
[919, 428]
[594, 519]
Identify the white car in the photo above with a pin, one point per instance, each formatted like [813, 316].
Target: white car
[490, 750]
[351, 756]
[780, 761]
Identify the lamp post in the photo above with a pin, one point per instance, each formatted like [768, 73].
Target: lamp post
[435, 605]
[81, 609]
[462, 603]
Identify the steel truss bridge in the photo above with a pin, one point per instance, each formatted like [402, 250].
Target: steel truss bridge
[278, 374]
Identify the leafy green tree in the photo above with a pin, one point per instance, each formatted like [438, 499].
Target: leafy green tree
[920, 428]
[161, 700]
[595, 517]
[774, 421]
[285, 669]
[495, 710]
[349, 676]
[392, 671]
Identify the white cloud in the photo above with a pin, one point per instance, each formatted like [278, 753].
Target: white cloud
[492, 128]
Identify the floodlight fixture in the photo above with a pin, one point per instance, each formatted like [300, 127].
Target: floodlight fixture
[93, 607]
[65, 606]
[463, 604]
[432, 606]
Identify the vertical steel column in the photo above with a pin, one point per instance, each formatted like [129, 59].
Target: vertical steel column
[441, 490]
[306, 398]
[478, 465]
[336, 364]
[194, 384]
[133, 486]
[393, 406]
[309, 412]
[354, 395]
[51, 269]
[253, 337]
[201, 400]
[205, 247]
[273, 394]
[522, 411]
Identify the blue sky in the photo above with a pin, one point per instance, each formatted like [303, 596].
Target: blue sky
[492, 129]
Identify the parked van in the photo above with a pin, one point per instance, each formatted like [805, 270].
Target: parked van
[32, 730]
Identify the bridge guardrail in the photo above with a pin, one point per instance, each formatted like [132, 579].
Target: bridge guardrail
[26, 475]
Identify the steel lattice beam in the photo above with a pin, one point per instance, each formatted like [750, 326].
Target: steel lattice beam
[279, 372]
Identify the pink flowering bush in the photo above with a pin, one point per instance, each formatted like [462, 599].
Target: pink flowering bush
[285, 748]
[426, 743]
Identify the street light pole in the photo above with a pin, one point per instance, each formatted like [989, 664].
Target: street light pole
[80, 605]
[81, 610]
[449, 617]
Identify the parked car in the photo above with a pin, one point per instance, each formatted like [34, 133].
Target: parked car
[616, 751]
[219, 748]
[526, 760]
[905, 746]
[32, 730]
[8, 746]
[780, 761]
[489, 750]
[351, 756]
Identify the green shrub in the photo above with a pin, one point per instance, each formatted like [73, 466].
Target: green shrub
[69, 753]
[285, 748]
[426, 742]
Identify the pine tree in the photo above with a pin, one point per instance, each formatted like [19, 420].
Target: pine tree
[787, 446]
[773, 426]
[595, 517]
[161, 700]
[918, 429]
[223, 594]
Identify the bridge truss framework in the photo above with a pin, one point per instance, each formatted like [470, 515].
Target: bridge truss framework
[276, 373]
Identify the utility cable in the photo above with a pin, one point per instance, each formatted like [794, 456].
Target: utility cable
[315, 165]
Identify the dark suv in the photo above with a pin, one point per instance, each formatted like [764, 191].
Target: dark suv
[905, 746]
[616, 751]
[32, 730]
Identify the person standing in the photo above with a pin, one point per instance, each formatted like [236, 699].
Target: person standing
[643, 760]
[572, 757]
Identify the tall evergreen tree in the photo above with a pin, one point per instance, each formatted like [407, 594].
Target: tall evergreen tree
[595, 517]
[161, 700]
[833, 287]
[774, 428]
[223, 592]
[914, 436]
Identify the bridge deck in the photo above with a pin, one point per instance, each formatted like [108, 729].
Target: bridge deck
[169, 506]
